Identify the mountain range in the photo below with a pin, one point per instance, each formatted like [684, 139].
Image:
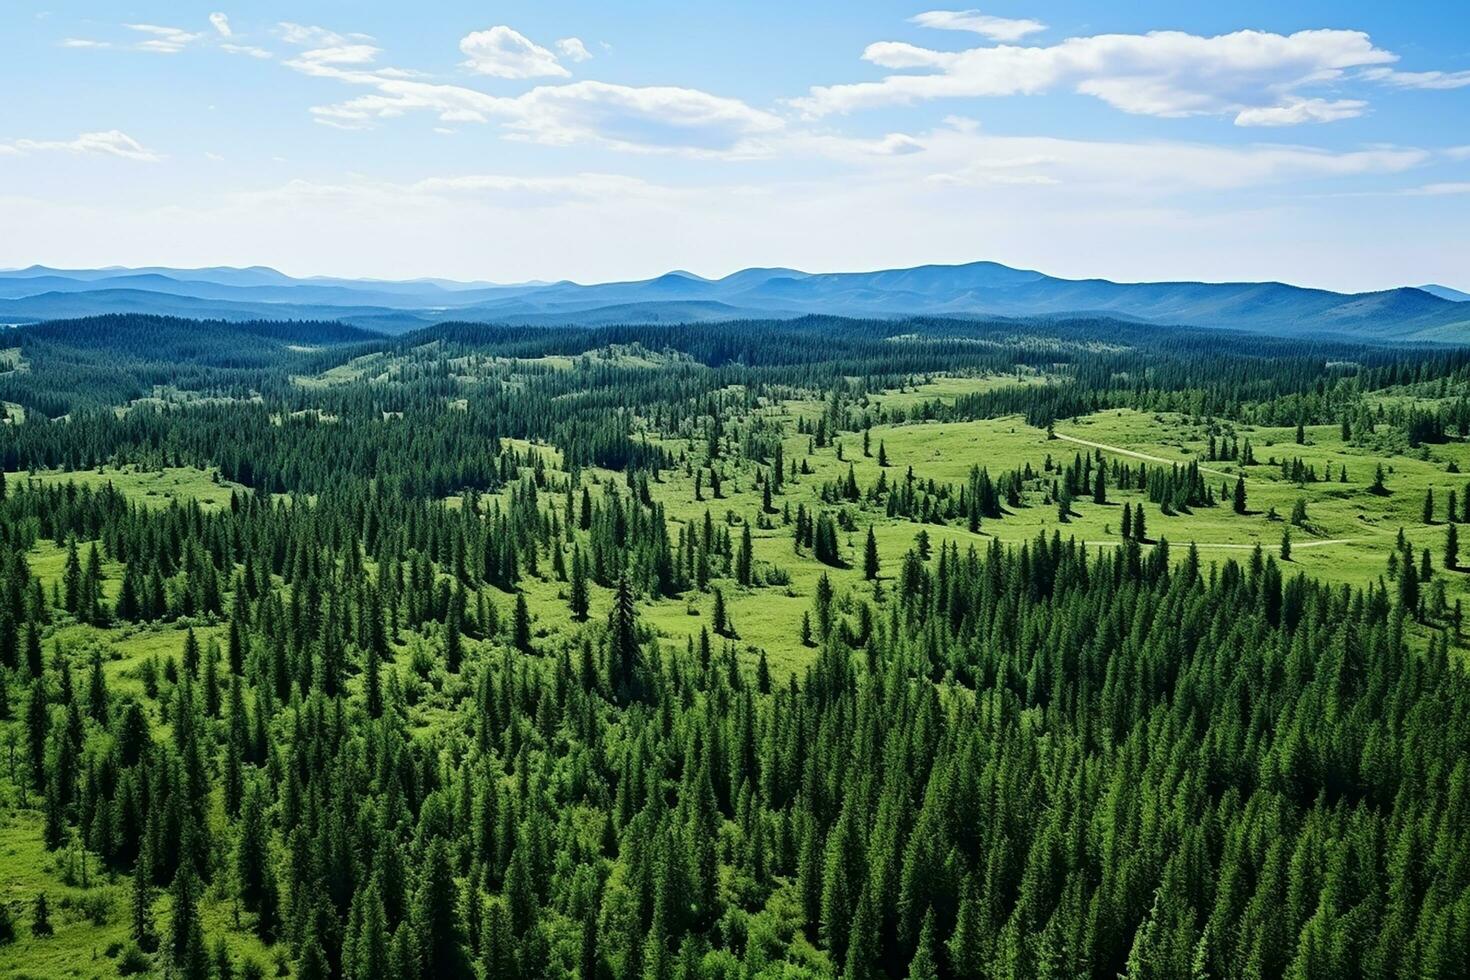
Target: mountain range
[986, 289]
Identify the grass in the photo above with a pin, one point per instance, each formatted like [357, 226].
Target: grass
[151, 488]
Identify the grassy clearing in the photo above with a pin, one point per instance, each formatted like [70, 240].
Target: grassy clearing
[151, 488]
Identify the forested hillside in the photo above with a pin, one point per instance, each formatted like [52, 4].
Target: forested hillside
[807, 648]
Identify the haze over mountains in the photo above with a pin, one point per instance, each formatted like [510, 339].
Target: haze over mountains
[976, 289]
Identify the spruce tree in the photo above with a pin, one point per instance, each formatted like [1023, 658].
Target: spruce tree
[521, 635]
[925, 964]
[436, 919]
[578, 598]
[41, 927]
[870, 556]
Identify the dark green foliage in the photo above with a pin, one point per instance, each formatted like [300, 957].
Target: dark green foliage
[41, 926]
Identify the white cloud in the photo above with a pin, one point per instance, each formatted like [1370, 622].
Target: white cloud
[110, 143]
[651, 118]
[573, 49]
[83, 42]
[246, 49]
[959, 154]
[340, 54]
[221, 24]
[1294, 112]
[1420, 79]
[582, 186]
[163, 40]
[1440, 189]
[995, 28]
[1163, 73]
[507, 53]
[307, 35]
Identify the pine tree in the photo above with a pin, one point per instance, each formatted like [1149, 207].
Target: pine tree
[436, 918]
[1451, 547]
[142, 906]
[720, 618]
[625, 655]
[252, 849]
[870, 556]
[520, 893]
[183, 926]
[498, 944]
[372, 682]
[38, 724]
[71, 578]
[453, 641]
[579, 600]
[521, 635]
[41, 918]
[966, 950]
[1240, 495]
[925, 964]
[370, 950]
[743, 557]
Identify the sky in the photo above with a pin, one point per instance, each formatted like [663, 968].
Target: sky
[1324, 144]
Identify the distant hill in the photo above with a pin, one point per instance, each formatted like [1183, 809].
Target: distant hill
[1445, 292]
[973, 289]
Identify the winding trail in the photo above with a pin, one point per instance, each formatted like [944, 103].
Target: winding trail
[1150, 458]
[1147, 457]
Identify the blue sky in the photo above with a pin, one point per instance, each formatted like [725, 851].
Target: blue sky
[1324, 144]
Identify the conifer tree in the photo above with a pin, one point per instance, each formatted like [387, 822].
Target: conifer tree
[521, 624]
[870, 556]
[925, 964]
[41, 927]
[625, 655]
[578, 599]
[141, 907]
[436, 919]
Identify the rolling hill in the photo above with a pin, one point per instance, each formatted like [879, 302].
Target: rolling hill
[973, 289]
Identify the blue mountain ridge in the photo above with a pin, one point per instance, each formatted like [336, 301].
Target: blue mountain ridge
[971, 289]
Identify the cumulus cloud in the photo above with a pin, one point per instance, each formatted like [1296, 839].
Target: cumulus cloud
[573, 49]
[221, 24]
[111, 142]
[507, 53]
[995, 28]
[164, 40]
[646, 118]
[1162, 73]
